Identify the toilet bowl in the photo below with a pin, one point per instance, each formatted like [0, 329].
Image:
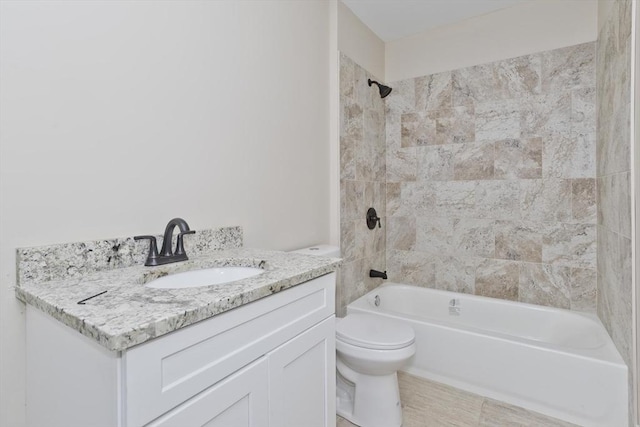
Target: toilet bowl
[369, 351]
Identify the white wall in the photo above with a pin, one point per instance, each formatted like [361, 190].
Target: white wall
[117, 116]
[525, 28]
[359, 43]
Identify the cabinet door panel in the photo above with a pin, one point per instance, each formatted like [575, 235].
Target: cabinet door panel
[302, 379]
[242, 400]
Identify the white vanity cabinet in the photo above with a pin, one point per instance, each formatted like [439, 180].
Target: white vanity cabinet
[267, 363]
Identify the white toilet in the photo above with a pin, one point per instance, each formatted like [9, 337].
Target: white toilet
[370, 350]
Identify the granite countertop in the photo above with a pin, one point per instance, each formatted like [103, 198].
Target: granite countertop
[129, 313]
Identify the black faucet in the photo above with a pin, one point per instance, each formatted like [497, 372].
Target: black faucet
[380, 274]
[166, 255]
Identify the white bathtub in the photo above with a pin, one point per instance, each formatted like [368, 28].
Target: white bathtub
[556, 362]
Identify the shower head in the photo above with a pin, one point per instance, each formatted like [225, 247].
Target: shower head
[384, 90]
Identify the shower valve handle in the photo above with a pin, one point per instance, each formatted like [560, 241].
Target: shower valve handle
[372, 219]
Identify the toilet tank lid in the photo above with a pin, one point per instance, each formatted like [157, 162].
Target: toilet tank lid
[320, 250]
[374, 332]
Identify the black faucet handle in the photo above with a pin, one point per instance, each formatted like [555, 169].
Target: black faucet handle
[372, 219]
[153, 249]
[150, 238]
[180, 242]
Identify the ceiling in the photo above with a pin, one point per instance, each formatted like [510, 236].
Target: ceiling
[395, 19]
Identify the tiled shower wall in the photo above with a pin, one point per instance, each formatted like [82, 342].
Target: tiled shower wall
[491, 179]
[362, 182]
[615, 296]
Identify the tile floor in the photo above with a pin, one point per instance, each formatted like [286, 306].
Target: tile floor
[429, 404]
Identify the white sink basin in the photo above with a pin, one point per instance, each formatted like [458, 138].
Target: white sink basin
[206, 277]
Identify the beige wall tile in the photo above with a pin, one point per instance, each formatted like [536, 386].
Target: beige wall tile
[379, 201]
[352, 199]
[621, 302]
[498, 279]
[518, 158]
[583, 110]
[570, 245]
[498, 199]
[474, 161]
[393, 128]
[347, 158]
[545, 284]
[402, 164]
[435, 163]
[623, 189]
[369, 242]
[546, 115]
[363, 94]
[454, 125]
[498, 120]
[583, 200]
[418, 198]
[545, 200]
[475, 83]
[569, 156]
[349, 281]
[607, 202]
[613, 98]
[433, 92]
[509, 79]
[402, 98]
[451, 198]
[568, 68]
[353, 120]
[474, 237]
[456, 274]
[519, 241]
[520, 77]
[583, 289]
[415, 268]
[609, 265]
[401, 233]
[393, 197]
[434, 235]
[417, 129]
[347, 71]
[348, 240]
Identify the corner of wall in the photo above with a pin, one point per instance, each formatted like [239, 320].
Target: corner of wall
[359, 43]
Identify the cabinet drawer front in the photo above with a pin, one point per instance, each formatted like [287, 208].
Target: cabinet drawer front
[242, 400]
[163, 373]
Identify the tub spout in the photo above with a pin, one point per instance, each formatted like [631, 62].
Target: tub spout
[380, 274]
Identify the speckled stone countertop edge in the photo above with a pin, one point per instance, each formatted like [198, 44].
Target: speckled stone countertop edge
[127, 336]
[88, 330]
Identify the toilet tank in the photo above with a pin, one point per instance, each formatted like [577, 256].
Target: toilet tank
[320, 250]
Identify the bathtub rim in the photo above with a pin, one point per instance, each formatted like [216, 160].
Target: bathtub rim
[606, 353]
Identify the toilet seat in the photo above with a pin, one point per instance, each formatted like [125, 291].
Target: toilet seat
[374, 332]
